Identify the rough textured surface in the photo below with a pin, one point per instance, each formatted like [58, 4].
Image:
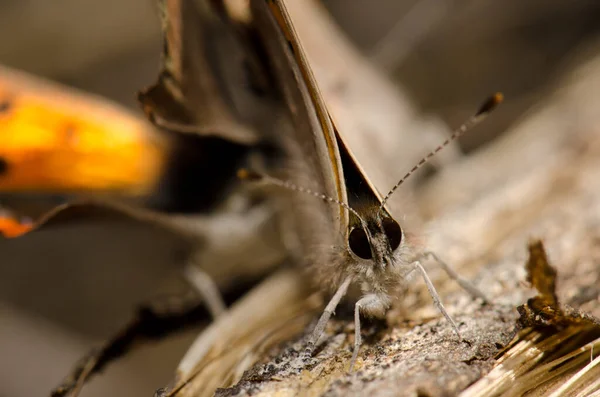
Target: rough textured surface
[426, 358]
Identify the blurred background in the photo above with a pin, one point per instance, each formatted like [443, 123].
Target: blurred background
[445, 55]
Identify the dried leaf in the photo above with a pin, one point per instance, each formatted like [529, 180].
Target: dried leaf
[540, 274]
[544, 309]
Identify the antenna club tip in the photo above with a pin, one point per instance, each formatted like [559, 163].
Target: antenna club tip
[246, 174]
[491, 103]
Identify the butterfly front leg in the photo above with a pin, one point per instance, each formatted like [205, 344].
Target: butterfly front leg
[371, 304]
[327, 313]
[466, 285]
[416, 265]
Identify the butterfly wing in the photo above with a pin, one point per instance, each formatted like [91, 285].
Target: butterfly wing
[351, 184]
[202, 87]
[309, 143]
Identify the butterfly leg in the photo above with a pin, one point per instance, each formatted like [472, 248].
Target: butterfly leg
[327, 313]
[372, 304]
[466, 285]
[434, 295]
[206, 288]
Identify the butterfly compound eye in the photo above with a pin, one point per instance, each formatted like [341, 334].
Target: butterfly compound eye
[393, 232]
[359, 243]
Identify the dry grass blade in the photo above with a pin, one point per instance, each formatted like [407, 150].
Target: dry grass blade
[568, 388]
[519, 370]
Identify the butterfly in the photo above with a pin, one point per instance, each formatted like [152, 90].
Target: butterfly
[348, 238]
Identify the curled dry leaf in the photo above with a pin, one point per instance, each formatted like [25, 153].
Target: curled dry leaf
[544, 309]
[540, 273]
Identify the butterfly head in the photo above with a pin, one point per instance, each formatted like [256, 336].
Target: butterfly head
[376, 238]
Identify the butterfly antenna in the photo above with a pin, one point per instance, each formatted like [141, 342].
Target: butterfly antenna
[249, 175]
[488, 106]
